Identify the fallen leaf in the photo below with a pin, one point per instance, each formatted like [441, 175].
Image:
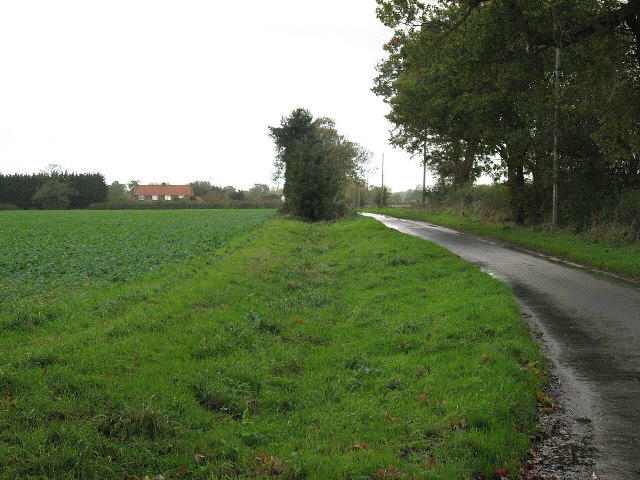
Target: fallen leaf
[432, 463]
[502, 473]
[390, 418]
[270, 465]
[391, 473]
[485, 358]
[459, 424]
[357, 446]
[298, 319]
[422, 396]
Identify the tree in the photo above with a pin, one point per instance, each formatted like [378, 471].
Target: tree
[201, 187]
[212, 196]
[317, 164]
[117, 192]
[475, 79]
[132, 185]
[237, 195]
[53, 195]
[258, 191]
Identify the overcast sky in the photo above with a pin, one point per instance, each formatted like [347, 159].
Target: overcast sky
[176, 91]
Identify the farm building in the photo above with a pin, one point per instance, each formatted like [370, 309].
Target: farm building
[162, 192]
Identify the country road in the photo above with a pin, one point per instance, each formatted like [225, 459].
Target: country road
[589, 327]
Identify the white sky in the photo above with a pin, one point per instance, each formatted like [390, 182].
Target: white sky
[176, 91]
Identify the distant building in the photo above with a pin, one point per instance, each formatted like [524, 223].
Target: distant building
[162, 192]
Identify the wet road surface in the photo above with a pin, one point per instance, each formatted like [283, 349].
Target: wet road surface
[589, 327]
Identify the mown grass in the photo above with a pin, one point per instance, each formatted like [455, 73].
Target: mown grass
[341, 350]
[616, 257]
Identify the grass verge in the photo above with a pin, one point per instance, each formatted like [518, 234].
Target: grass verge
[621, 259]
[341, 350]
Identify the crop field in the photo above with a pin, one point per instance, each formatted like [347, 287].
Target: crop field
[298, 350]
[46, 254]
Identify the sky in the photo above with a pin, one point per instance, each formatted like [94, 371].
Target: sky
[177, 91]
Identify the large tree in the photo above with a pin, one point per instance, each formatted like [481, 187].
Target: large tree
[317, 164]
[479, 79]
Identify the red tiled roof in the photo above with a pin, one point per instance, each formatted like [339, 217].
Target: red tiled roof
[163, 190]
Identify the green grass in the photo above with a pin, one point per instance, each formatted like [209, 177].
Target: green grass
[615, 257]
[341, 350]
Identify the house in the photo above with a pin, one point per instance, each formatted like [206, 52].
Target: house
[162, 192]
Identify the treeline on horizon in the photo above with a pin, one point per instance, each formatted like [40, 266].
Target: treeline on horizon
[52, 190]
[58, 190]
[541, 95]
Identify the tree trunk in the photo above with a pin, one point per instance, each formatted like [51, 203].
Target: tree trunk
[515, 182]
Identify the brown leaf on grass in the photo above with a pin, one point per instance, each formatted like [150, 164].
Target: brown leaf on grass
[298, 319]
[459, 424]
[403, 345]
[390, 473]
[357, 446]
[544, 402]
[422, 396]
[390, 418]
[10, 400]
[432, 463]
[485, 358]
[502, 473]
[269, 465]
[535, 368]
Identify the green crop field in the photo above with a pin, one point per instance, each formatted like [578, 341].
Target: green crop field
[48, 253]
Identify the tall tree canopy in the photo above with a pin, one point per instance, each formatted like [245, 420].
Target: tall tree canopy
[475, 80]
[317, 164]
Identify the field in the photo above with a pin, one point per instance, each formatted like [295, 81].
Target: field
[51, 253]
[299, 350]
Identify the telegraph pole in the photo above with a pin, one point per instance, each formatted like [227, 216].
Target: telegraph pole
[382, 189]
[424, 174]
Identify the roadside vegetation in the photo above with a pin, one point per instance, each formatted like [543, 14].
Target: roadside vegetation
[611, 248]
[601, 251]
[301, 350]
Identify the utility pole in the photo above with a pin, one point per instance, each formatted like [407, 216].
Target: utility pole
[424, 174]
[382, 188]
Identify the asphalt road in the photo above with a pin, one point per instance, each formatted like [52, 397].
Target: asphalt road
[589, 327]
